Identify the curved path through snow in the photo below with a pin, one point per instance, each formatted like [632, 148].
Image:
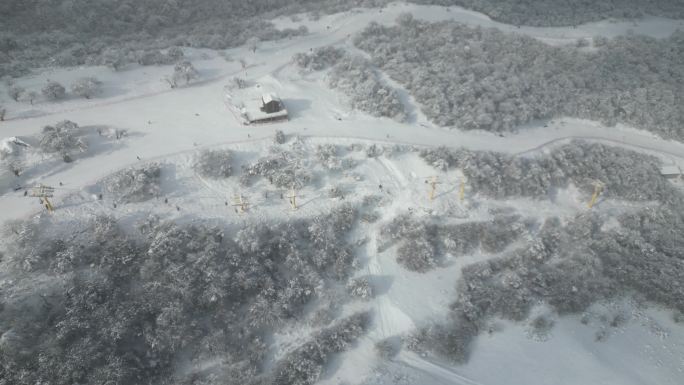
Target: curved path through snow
[167, 123]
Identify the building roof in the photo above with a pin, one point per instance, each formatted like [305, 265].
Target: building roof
[670, 169]
[270, 97]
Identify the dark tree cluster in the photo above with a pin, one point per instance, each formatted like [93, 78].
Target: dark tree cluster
[119, 308]
[319, 59]
[554, 13]
[214, 163]
[480, 78]
[101, 32]
[423, 242]
[359, 80]
[569, 267]
[626, 174]
[305, 364]
[355, 77]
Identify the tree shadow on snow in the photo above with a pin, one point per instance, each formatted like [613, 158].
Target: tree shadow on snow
[296, 106]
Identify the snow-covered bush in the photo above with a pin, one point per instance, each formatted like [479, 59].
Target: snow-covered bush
[498, 81]
[319, 59]
[373, 151]
[279, 137]
[86, 87]
[282, 168]
[62, 138]
[183, 73]
[135, 184]
[360, 287]
[175, 53]
[327, 156]
[417, 254]
[388, 348]
[214, 163]
[54, 91]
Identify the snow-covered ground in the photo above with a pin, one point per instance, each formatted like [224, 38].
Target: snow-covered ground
[171, 125]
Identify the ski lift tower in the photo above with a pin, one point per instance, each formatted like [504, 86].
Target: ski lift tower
[44, 192]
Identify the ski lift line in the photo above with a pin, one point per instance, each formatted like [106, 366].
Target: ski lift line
[374, 140]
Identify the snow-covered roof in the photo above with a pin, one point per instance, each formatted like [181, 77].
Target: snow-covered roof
[7, 145]
[670, 170]
[270, 97]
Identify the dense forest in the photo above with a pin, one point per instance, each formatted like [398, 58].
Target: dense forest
[548, 13]
[36, 33]
[480, 78]
[92, 302]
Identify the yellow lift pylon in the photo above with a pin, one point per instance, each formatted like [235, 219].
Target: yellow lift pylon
[43, 193]
[433, 187]
[598, 189]
[461, 190]
[241, 203]
[293, 198]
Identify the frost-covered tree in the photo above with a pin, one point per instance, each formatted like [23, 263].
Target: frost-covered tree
[282, 168]
[626, 174]
[183, 72]
[63, 138]
[135, 184]
[279, 137]
[360, 287]
[214, 163]
[319, 59]
[253, 43]
[86, 87]
[29, 96]
[3, 112]
[15, 92]
[327, 156]
[306, 364]
[498, 81]
[175, 53]
[355, 76]
[54, 91]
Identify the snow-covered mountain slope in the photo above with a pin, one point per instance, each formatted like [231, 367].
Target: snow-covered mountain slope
[170, 126]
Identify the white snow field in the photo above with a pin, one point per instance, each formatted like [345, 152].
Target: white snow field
[171, 125]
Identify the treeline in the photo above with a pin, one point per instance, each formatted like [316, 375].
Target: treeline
[569, 267]
[423, 243]
[625, 174]
[478, 78]
[92, 303]
[356, 77]
[551, 13]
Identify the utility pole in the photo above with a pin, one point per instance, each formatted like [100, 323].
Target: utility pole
[293, 198]
[241, 203]
[44, 192]
[598, 189]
